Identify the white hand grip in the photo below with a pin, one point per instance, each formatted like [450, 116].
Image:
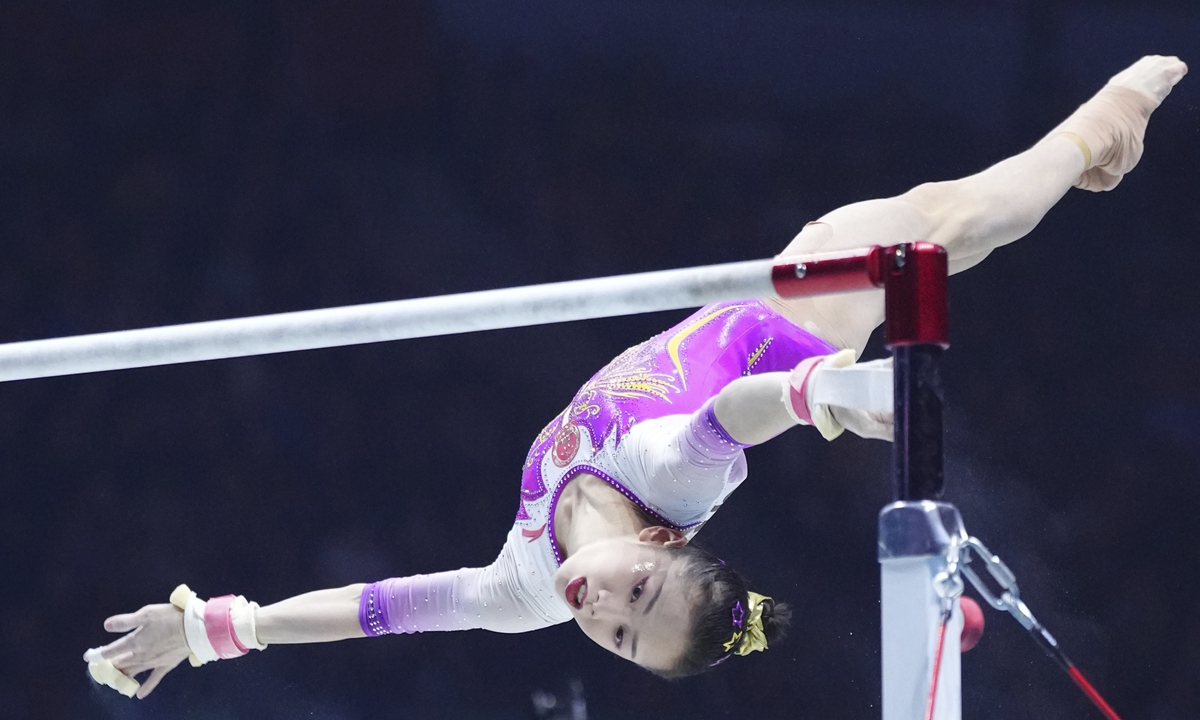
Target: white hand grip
[866, 387]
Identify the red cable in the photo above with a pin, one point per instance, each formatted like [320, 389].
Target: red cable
[1051, 647]
[1090, 691]
[937, 670]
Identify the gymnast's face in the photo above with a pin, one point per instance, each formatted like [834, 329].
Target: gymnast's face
[628, 597]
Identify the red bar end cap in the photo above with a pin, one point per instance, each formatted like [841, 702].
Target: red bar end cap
[915, 282]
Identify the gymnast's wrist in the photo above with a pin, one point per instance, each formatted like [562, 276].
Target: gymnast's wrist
[798, 392]
[220, 628]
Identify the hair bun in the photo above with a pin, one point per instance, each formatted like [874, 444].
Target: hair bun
[720, 602]
[776, 619]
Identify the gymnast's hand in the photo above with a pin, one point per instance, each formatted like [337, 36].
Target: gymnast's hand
[864, 423]
[873, 426]
[154, 642]
[823, 391]
[834, 394]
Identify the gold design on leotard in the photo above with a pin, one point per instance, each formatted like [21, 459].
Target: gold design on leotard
[757, 355]
[634, 383]
[677, 339]
[547, 431]
[542, 437]
[629, 377]
[586, 407]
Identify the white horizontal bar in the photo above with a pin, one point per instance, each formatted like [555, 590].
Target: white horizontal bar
[396, 320]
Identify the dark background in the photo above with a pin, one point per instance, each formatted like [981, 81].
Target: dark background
[170, 163]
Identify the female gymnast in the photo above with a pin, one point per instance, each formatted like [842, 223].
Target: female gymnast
[648, 449]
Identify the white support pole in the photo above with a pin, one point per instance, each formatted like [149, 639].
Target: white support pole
[380, 322]
[913, 539]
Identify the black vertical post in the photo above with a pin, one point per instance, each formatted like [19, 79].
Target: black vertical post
[917, 451]
[917, 333]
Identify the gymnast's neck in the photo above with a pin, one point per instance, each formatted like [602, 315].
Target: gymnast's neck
[590, 509]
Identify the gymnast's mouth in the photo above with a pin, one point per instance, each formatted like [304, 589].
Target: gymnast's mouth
[576, 592]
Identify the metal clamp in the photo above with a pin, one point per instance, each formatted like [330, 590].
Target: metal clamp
[1009, 596]
[948, 584]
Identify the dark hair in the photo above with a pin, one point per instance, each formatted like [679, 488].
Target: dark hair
[714, 589]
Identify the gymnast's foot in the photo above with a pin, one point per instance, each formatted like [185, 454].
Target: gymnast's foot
[1109, 128]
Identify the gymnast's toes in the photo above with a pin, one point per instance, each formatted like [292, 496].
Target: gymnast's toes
[1111, 126]
[1152, 76]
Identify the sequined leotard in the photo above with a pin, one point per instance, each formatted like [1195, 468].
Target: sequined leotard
[644, 424]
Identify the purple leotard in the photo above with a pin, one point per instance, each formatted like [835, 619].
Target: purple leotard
[644, 424]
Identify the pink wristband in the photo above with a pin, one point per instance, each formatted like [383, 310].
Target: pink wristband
[798, 387]
[218, 625]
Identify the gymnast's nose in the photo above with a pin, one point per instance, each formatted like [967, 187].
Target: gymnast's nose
[603, 604]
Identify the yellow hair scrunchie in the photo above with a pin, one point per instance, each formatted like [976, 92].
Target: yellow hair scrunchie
[755, 639]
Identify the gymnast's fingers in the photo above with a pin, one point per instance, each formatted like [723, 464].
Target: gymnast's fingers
[126, 645]
[133, 669]
[105, 673]
[873, 426]
[885, 426]
[874, 431]
[128, 642]
[154, 679]
[126, 622]
[119, 661]
[148, 658]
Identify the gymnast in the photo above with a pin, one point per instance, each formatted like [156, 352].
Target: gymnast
[615, 487]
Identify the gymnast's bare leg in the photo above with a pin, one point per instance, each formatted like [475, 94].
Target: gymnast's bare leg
[1092, 150]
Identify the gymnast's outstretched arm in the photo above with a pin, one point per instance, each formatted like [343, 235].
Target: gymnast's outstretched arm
[318, 616]
[156, 639]
[159, 637]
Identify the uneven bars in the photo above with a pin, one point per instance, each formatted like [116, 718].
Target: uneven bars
[441, 315]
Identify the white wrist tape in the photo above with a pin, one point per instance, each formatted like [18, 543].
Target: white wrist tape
[802, 385]
[193, 629]
[228, 632]
[245, 623]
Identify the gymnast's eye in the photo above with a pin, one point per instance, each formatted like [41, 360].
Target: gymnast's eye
[620, 636]
[637, 590]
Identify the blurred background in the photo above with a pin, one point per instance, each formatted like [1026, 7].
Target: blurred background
[171, 162]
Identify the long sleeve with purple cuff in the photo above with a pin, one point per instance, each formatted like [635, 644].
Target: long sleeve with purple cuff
[679, 468]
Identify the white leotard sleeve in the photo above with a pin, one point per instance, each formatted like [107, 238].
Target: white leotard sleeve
[490, 598]
[682, 466]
